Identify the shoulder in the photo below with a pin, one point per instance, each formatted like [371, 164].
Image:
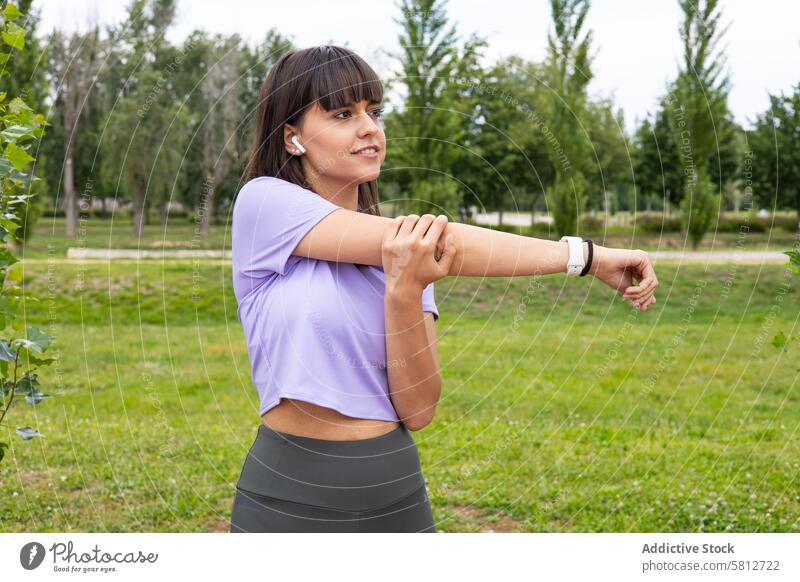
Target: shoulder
[263, 184]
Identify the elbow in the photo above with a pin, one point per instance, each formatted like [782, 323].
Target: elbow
[420, 420]
[423, 416]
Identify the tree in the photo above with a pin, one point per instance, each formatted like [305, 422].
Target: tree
[72, 68]
[504, 162]
[569, 73]
[425, 132]
[657, 161]
[147, 130]
[697, 104]
[608, 154]
[222, 113]
[775, 145]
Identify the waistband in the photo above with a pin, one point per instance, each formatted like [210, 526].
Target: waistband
[353, 475]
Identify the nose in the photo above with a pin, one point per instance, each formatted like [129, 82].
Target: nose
[368, 125]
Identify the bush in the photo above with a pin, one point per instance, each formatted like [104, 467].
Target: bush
[658, 224]
[735, 223]
[590, 224]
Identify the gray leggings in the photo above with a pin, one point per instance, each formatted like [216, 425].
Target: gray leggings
[291, 483]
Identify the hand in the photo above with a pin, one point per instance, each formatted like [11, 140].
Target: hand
[617, 268]
[413, 254]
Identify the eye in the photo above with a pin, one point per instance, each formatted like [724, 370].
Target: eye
[378, 113]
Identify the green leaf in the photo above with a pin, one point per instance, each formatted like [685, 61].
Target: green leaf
[11, 12]
[27, 433]
[16, 271]
[4, 59]
[18, 157]
[8, 224]
[7, 258]
[27, 384]
[35, 397]
[16, 133]
[40, 338]
[794, 260]
[7, 354]
[40, 361]
[3, 447]
[5, 166]
[14, 35]
[18, 106]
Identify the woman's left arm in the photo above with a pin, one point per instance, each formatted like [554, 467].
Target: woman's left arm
[412, 358]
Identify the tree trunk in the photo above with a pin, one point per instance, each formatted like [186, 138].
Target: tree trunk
[164, 211]
[500, 216]
[138, 214]
[207, 206]
[797, 204]
[70, 201]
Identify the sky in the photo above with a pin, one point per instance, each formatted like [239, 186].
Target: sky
[636, 45]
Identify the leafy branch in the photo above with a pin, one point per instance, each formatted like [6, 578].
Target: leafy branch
[20, 128]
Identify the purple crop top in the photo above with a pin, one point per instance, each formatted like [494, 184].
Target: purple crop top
[314, 329]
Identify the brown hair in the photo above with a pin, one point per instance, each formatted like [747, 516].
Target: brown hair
[334, 76]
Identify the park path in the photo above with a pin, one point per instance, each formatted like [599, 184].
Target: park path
[181, 255]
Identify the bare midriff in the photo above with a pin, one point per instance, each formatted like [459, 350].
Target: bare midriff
[301, 418]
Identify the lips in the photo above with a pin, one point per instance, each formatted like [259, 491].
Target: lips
[367, 150]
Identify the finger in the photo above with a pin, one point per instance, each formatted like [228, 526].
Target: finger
[642, 303]
[449, 253]
[408, 224]
[643, 295]
[391, 230]
[625, 281]
[436, 227]
[647, 287]
[647, 278]
[642, 286]
[424, 222]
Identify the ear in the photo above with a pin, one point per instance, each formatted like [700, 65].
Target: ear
[288, 132]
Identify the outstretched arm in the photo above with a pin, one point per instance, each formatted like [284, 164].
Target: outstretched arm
[354, 237]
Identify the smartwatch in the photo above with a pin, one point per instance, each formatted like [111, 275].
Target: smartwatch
[575, 264]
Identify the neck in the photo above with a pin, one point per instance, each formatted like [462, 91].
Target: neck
[344, 194]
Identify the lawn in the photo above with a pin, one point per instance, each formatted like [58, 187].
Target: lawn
[562, 409]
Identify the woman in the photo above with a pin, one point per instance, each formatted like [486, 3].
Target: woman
[337, 304]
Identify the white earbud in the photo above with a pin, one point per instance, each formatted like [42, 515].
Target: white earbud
[297, 143]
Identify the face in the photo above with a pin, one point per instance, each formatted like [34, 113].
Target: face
[331, 139]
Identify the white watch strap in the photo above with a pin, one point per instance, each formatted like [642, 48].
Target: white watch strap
[575, 264]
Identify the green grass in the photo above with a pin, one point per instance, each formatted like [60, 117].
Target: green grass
[683, 418]
[49, 239]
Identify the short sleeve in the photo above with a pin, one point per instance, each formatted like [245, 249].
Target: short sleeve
[428, 302]
[270, 218]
